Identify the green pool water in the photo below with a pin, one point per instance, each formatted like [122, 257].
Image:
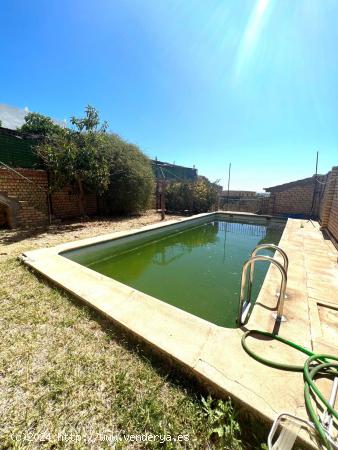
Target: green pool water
[197, 269]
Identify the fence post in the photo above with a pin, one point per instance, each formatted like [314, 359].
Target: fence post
[163, 184]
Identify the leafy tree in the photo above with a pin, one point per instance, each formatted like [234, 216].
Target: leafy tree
[197, 197]
[98, 162]
[0, 123]
[78, 156]
[41, 125]
[91, 121]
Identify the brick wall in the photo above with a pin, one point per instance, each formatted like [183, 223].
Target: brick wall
[299, 198]
[31, 197]
[329, 207]
[241, 205]
[3, 216]
[296, 200]
[65, 203]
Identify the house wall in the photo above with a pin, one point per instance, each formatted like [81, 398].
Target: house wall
[329, 207]
[297, 200]
[293, 201]
[30, 194]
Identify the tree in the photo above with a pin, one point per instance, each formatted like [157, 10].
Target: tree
[98, 162]
[79, 155]
[91, 121]
[0, 123]
[40, 125]
[197, 197]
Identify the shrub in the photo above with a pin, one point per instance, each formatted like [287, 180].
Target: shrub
[131, 182]
[197, 197]
[96, 161]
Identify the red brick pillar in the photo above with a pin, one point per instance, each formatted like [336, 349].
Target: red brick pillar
[328, 196]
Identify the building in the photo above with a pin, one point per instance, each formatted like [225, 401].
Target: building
[296, 199]
[313, 197]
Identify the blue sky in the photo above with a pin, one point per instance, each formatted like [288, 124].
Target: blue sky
[198, 82]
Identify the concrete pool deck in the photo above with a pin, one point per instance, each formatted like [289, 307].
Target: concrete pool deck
[211, 353]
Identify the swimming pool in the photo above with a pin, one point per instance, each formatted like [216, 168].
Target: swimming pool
[197, 346]
[196, 266]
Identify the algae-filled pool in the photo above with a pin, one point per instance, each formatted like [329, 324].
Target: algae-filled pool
[197, 268]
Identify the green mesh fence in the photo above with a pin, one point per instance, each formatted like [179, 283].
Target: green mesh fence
[173, 172]
[17, 150]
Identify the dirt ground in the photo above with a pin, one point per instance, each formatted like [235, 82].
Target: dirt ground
[14, 242]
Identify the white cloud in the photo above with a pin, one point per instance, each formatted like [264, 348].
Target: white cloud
[12, 117]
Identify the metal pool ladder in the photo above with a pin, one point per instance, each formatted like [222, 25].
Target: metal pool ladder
[245, 305]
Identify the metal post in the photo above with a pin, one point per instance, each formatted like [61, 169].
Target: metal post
[229, 174]
[314, 188]
[163, 187]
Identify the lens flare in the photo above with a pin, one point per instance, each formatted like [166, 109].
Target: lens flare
[252, 33]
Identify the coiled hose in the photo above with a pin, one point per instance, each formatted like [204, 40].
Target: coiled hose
[325, 366]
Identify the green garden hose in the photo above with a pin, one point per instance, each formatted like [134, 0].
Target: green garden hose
[325, 365]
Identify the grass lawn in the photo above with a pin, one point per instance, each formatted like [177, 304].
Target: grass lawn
[70, 379]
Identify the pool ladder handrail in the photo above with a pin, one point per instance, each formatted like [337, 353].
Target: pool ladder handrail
[247, 304]
[270, 247]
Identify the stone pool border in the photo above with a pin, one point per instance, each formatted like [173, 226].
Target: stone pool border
[210, 353]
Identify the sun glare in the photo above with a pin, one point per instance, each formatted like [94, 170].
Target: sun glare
[251, 36]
